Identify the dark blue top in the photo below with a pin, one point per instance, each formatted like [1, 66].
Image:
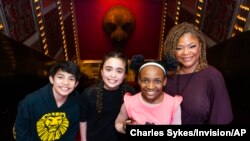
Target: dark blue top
[39, 118]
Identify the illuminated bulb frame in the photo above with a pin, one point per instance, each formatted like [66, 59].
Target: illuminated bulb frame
[41, 27]
[163, 24]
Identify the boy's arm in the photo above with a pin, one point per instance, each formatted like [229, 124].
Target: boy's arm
[22, 125]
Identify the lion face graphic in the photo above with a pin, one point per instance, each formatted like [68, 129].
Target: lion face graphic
[52, 126]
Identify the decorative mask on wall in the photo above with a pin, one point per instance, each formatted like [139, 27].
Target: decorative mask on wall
[119, 23]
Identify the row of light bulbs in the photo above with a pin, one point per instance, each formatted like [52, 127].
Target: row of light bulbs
[237, 26]
[43, 33]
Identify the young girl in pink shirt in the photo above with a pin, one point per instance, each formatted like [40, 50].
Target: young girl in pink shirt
[151, 105]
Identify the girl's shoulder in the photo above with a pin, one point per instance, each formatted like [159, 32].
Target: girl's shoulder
[129, 89]
[131, 96]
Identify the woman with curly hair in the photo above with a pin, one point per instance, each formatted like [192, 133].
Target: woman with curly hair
[101, 102]
[205, 96]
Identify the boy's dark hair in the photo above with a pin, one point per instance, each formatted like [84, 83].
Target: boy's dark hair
[66, 66]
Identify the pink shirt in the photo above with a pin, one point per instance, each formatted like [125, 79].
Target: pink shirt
[145, 113]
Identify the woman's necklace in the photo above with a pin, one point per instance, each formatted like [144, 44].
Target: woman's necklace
[185, 86]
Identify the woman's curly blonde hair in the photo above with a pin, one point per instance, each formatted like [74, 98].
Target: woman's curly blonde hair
[174, 35]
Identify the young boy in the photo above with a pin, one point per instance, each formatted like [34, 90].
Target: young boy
[52, 112]
[151, 105]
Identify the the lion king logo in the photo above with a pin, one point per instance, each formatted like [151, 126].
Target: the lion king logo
[52, 126]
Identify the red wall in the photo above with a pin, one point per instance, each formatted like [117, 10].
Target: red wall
[94, 43]
[47, 2]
